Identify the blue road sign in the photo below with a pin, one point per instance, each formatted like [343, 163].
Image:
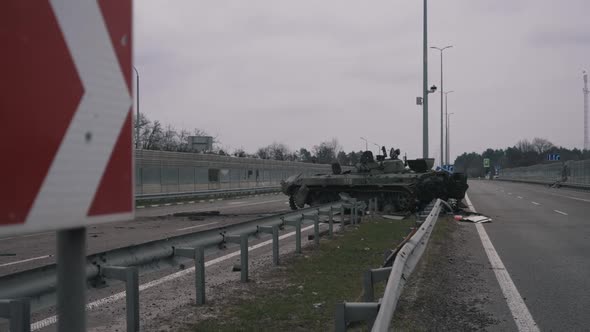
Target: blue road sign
[553, 157]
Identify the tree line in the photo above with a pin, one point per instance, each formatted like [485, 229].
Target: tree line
[153, 135]
[523, 153]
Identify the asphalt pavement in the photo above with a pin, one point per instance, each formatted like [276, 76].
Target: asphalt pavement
[24, 252]
[542, 235]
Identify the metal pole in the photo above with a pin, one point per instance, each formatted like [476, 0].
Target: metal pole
[447, 128]
[425, 87]
[200, 275]
[71, 280]
[449, 134]
[137, 108]
[441, 109]
[447, 155]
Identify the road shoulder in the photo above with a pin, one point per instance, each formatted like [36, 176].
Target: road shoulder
[453, 287]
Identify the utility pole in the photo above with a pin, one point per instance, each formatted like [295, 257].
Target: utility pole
[586, 91]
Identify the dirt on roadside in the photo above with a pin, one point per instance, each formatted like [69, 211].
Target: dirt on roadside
[446, 292]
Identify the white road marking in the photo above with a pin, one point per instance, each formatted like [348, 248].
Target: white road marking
[509, 193]
[202, 201]
[121, 295]
[236, 203]
[25, 260]
[519, 197]
[536, 203]
[167, 204]
[140, 207]
[191, 202]
[154, 205]
[520, 313]
[197, 226]
[560, 212]
[179, 203]
[220, 199]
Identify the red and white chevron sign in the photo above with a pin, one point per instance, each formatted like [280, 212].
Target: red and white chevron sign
[65, 112]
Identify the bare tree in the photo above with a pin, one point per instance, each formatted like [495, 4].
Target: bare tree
[524, 145]
[541, 145]
[169, 140]
[153, 136]
[326, 152]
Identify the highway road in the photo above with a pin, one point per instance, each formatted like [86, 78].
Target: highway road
[542, 236]
[151, 223]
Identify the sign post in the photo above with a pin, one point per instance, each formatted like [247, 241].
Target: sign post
[69, 107]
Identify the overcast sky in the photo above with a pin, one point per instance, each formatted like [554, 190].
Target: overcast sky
[301, 72]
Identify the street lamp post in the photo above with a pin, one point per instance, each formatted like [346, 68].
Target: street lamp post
[378, 147]
[442, 89]
[366, 143]
[425, 85]
[449, 136]
[447, 156]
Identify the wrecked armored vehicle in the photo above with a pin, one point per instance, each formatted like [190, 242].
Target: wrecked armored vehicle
[398, 185]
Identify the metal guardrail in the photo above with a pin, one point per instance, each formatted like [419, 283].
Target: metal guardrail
[379, 314]
[39, 285]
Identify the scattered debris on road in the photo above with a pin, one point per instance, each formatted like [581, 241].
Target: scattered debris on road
[476, 219]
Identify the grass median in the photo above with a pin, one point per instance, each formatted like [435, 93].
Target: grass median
[302, 294]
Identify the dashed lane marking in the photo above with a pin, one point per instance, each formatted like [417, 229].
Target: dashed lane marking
[519, 197]
[140, 207]
[536, 203]
[191, 202]
[560, 212]
[155, 205]
[520, 313]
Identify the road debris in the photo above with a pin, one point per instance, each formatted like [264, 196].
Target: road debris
[476, 219]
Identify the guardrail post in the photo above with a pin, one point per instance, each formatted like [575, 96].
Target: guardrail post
[297, 224]
[370, 278]
[340, 323]
[331, 222]
[342, 216]
[242, 240]
[274, 230]
[316, 225]
[130, 276]
[355, 312]
[18, 312]
[198, 254]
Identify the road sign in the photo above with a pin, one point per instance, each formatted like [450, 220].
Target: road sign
[449, 168]
[486, 162]
[553, 157]
[66, 114]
